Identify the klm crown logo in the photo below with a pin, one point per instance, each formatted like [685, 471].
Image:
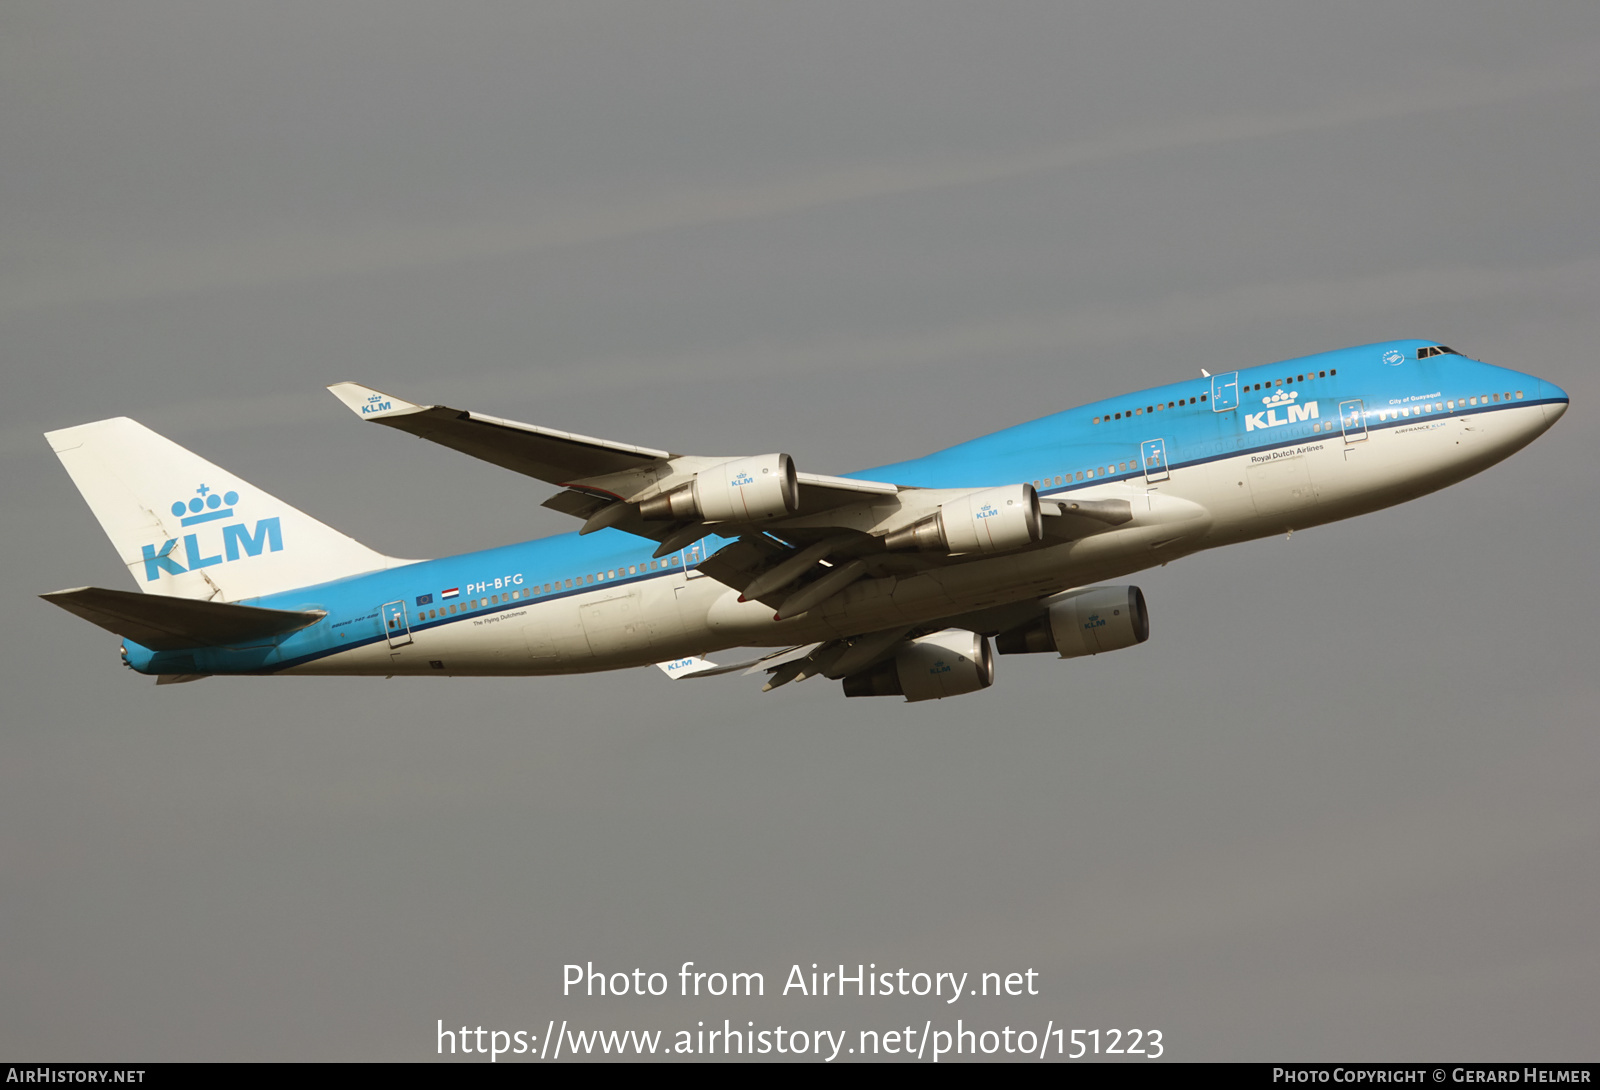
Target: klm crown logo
[376, 404]
[208, 505]
[1283, 399]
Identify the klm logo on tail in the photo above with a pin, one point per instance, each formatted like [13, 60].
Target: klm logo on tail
[237, 541]
[376, 404]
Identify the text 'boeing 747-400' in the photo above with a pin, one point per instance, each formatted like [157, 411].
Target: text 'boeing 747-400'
[900, 580]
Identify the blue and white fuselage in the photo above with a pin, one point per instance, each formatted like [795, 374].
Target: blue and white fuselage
[1189, 466]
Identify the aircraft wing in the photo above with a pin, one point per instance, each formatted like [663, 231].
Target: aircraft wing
[605, 480]
[562, 457]
[550, 455]
[800, 538]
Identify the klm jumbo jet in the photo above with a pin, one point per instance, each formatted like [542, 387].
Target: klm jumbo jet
[901, 580]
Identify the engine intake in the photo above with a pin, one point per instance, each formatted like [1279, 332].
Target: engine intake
[994, 520]
[946, 663]
[1087, 623]
[743, 490]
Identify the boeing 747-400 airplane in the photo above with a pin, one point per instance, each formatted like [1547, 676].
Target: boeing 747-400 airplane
[900, 580]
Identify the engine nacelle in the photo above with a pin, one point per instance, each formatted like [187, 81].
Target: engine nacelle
[994, 520]
[743, 490]
[1089, 622]
[932, 667]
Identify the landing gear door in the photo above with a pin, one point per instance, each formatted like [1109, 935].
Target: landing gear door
[395, 624]
[1155, 460]
[1224, 392]
[1353, 419]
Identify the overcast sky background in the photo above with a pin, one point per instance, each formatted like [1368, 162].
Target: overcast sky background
[1340, 806]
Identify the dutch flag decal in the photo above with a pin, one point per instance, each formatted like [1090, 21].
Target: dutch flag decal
[453, 592]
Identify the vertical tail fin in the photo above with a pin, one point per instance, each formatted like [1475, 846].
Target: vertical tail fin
[190, 529]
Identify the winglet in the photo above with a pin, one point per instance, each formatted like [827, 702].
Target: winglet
[364, 401]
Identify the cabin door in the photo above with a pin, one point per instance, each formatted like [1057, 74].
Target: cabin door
[1155, 460]
[1224, 392]
[395, 624]
[1353, 419]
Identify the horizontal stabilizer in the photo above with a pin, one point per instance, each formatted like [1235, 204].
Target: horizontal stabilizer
[172, 624]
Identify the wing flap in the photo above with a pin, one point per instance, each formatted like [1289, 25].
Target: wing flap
[172, 624]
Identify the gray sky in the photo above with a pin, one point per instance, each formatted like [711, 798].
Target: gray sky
[1340, 806]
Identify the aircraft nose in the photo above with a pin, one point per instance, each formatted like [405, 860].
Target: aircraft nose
[1555, 401]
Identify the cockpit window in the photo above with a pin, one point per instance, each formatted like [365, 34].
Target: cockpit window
[1436, 350]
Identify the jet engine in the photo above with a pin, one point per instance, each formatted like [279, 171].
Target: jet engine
[1086, 623]
[743, 490]
[946, 663]
[994, 520]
